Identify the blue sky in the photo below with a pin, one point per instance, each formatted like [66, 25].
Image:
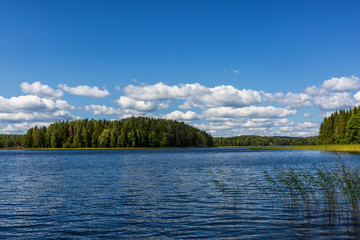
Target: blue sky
[227, 67]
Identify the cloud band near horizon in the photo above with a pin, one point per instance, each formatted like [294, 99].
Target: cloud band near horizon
[221, 110]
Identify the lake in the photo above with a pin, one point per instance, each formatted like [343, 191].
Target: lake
[155, 194]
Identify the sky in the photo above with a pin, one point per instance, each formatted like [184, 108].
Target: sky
[269, 68]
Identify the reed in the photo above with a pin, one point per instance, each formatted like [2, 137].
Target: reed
[320, 192]
[334, 192]
[228, 184]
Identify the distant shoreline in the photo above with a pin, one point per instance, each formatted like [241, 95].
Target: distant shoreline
[333, 148]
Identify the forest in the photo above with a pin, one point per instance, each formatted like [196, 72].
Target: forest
[131, 132]
[253, 140]
[10, 141]
[341, 127]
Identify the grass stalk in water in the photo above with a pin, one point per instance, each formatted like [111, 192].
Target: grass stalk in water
[227, 184]
[334, 192]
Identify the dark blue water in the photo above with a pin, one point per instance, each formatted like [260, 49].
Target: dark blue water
[152, 194]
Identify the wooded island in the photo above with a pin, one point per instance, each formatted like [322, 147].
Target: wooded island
[131, 132]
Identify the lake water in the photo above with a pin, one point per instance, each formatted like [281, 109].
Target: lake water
[153, 194]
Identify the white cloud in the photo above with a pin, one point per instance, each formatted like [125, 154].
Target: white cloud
[138, 105]
[342, 84]
[196, 95]
[185, 106]
[262, 127]
[235, 71]
[102, 110]
[316, 91]
[308, 115]
[181, 116]
[31, 103]
[161, 91]
[291, 100]
[36, 116]
[357, 96]
[86, 91]
[221, 113]
[307, 125]
[32, 108]
[117, 88]
[121, 113]
[334, 101]
[228, 96]
[40, 90]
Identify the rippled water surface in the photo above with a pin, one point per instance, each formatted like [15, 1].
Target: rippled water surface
[153, 194]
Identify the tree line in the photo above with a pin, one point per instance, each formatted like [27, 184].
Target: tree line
[253, 140]
[11, 141]
[131, 132]
[341, 127]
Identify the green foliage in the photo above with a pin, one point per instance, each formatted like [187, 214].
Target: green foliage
[11, 141]
[251, 140]
[352, 134]
[130, 132]
[341, 127]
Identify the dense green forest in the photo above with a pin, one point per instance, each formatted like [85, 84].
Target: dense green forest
[342, 127]
[11, 141]
[130, 132]
[252, 140]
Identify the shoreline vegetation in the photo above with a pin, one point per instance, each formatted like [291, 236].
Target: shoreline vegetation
[332, 147]
[254, 140]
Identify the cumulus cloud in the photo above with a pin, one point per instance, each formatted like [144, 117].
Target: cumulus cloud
[41, 90]
[86, 91]
[32, 108]
[228, 96]
[334, 101]
[221, 113]
[291, 100]
[307, 125]
[181, 116]
[185, 106]
[196, 94]
[316, 91]
[308, 115]
[36, 116]
[138, 105]
[342, 84]
[357, 96]
[161, 91]
[262, 127]
[121, 113]
[31, 103]
[102, 110]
